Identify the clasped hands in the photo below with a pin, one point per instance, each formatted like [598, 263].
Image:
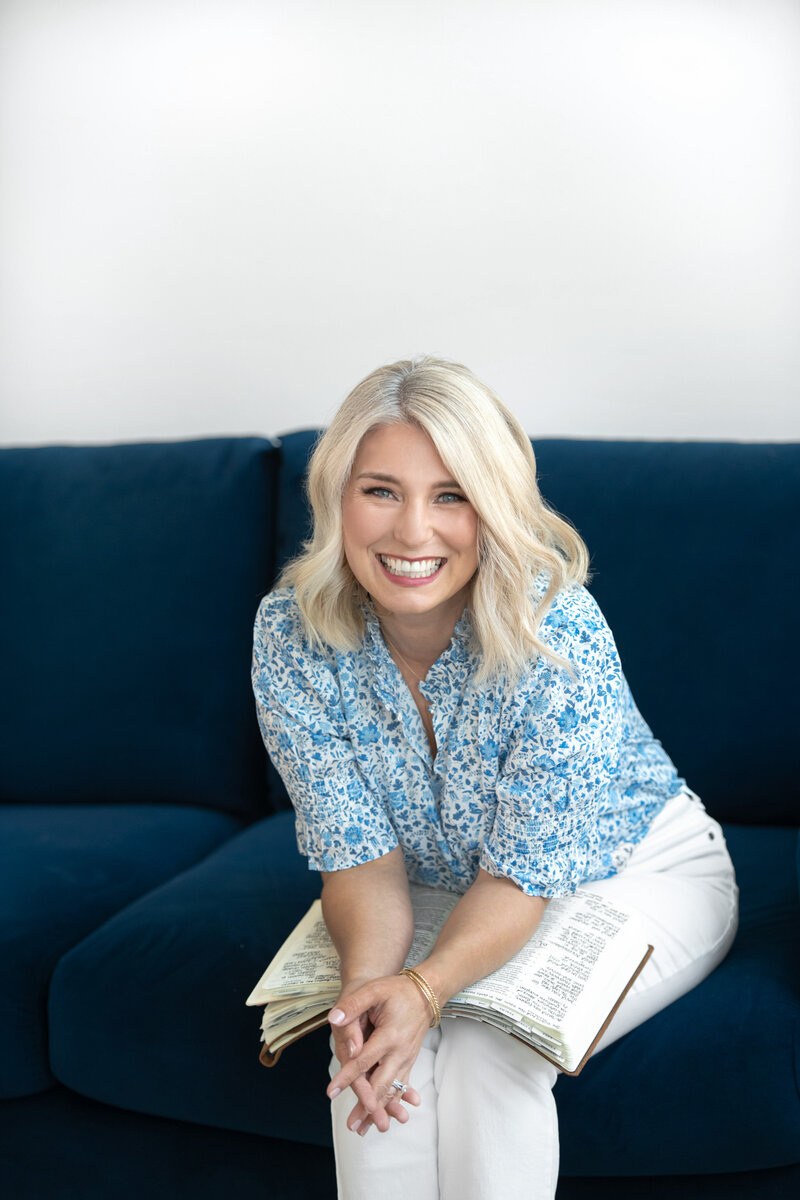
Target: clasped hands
[378, 1028]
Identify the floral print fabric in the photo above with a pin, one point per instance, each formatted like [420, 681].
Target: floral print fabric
[551, 782]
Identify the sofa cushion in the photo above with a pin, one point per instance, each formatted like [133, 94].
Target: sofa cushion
[181, 1043]
[710, 1084]
[696, 557]
[131, 578]
[63, 870]
[49, 1144]
[295, 517]
[62, 1146]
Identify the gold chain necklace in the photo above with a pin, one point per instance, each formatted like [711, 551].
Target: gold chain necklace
[406, 663]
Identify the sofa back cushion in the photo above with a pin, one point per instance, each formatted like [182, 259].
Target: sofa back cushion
[131, 575]
[696, 563]
[696, 557]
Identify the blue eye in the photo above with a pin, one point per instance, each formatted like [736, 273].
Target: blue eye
[451, 498]
[377, 491]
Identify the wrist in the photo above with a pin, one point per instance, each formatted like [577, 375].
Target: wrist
[426, 994]
[351, 980]
[444, 982]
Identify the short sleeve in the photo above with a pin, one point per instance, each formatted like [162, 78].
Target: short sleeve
[339, 818]
[561, 746]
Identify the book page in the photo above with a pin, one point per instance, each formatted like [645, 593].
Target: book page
[578, 944]
[306, 963]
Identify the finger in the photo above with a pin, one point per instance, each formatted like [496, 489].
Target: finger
[356, 1116]
[395, 1109]
[358, 1003]
[391, 1101]
[384, 1079]
[409, 1097]
[353, 1006]
[379, 1118]
[348, 1041]
[368, 1057]
[377, 1113]
[367, 1100]
[373, 1107]
[354, 1038]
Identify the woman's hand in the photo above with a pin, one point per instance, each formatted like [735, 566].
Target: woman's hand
[378, 1029]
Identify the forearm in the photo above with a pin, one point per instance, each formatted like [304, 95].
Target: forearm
[368, 913]
[491, 922]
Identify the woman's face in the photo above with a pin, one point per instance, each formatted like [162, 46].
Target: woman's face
[410, 535]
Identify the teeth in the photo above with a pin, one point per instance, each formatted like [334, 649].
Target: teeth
[411, 570]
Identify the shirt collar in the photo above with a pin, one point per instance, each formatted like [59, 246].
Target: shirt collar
[462, 634]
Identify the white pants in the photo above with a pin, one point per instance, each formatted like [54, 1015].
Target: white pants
[487, 1127]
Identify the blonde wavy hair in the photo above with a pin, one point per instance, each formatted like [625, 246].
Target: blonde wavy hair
[488, 452]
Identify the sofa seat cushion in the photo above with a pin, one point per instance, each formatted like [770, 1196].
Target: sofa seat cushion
[181, 1043]
[64, 869]
[149, 1012]
[711, 1083]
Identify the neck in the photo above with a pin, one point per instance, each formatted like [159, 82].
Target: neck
[420, 640]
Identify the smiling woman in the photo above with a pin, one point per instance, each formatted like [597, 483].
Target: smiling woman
[446, 705]
[478, 458]
[410, 537]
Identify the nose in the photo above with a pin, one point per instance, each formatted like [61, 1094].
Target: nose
[412, 525]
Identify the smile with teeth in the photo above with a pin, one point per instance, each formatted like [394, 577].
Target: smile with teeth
[420, 568]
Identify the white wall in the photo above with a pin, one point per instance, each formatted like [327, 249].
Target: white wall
[217, 215]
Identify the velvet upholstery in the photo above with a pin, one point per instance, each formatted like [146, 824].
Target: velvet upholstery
[64, 1146]
[196, 946]
[131, 578]
[693, 568]
[64, 869]
[710, 1052]
[146, 879]
[261, 887]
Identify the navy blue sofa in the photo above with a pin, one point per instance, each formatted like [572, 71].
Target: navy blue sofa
[148, 867]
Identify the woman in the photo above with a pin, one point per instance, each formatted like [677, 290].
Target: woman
[445, 704]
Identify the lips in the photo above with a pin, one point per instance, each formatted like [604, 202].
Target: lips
[405, 568]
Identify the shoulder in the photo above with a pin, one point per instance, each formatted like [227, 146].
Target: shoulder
[574, 618]
[283, 651]
[565, 701]
[279, 616]
[575, 631]
[278, 634]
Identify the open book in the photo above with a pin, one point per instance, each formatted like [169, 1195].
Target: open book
[558, 993]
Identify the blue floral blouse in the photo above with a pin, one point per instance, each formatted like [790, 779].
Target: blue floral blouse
[551, 783]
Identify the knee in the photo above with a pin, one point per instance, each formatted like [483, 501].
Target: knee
[473, 1052]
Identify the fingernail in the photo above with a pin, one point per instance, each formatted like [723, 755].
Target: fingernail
[336, 1017]
[363, 1128]
[334, 1093]
[351, 1047]
[355, 1128]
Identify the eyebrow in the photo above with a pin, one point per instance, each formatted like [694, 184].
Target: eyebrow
[445, 483]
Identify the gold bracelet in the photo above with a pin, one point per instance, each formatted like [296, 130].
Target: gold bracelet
[427, 992]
